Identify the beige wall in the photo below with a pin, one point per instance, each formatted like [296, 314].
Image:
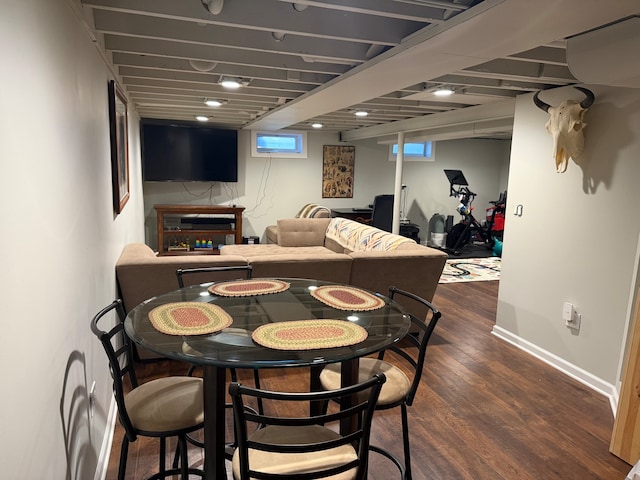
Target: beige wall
[60, 240]
[576, 240]
[276, 188]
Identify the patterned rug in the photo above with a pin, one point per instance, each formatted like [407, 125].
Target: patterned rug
[471, 270]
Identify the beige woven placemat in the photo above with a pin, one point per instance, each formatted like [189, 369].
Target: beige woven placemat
[247, 288]
[347, 298]
[189, 318]
[309, 334]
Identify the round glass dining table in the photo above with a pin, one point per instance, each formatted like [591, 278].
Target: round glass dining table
[382, 321]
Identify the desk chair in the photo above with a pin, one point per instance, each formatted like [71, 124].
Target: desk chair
[161, 408]
[400, 389]
[293, 445]
[382, 214]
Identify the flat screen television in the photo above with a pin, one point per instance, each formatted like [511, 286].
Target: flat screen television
[184, 152]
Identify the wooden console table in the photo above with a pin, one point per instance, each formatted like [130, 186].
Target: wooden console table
[209, 222]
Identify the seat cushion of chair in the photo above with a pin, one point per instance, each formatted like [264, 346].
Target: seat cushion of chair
[283, 463]
[393, 390]
[166, 404]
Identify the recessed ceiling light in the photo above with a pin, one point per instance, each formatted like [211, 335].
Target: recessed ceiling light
[443, 92]
[361, 113]
[228, 82]
[202, 118]
[214, 102]
[316, 125]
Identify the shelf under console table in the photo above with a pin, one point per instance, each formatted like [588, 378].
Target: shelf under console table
[181, 226]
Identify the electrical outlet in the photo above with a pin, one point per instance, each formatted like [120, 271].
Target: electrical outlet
[574, 323]
[92, 399]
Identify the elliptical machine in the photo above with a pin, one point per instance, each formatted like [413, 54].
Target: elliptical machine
[460, 234]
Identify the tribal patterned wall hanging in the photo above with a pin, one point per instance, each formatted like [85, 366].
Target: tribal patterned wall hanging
[337, 171]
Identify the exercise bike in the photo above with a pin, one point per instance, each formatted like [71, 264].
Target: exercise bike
[468, 228]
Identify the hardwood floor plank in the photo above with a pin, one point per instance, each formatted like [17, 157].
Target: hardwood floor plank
[485, 410]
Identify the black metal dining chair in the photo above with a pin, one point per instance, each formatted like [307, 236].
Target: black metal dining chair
[293, 445]
[203, 275]
[400, 388]
[161, 408]
[248, 271]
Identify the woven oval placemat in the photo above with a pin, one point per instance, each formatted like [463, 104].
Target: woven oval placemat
[189, 318]
[247, 288]
[309, 334]
[347, 298]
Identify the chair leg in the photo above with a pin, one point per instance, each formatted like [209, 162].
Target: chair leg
[176, 458]
[405, 442]
[182, 448]
[124, 452]
[163, 452]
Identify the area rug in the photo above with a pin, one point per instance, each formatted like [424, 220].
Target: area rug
[471, 270]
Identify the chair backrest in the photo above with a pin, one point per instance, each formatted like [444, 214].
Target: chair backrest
[210, 271]
[382, 213]
[293, 411]
[413, 347]
[118, 348]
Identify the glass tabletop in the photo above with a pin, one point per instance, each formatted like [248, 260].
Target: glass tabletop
[234, 346]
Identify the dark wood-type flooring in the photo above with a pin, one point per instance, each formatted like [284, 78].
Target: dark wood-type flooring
[485, 409]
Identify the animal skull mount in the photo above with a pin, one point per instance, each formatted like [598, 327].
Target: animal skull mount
[565, 125]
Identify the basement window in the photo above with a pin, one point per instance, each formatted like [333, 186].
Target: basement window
[287, 144]
[417, 151]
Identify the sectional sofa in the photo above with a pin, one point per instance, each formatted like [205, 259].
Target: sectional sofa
[332, 249]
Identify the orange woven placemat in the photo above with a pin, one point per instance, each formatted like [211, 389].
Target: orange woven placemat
[247, 288]
[347, 298]
[309, 334]
[189, 318]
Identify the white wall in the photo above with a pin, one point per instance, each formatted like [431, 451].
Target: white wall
[576, 241]
[273, 188]
[60, 240]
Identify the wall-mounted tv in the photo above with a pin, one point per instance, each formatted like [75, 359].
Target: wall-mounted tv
[185, 152]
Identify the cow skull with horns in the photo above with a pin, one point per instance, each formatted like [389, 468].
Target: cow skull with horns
[565, 125]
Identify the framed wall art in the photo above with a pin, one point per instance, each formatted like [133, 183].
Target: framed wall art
[337, 171]
[118, 128]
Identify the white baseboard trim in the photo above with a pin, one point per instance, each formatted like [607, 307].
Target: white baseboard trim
[107, 441]
[584, 377]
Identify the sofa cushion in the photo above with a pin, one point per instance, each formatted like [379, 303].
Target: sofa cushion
[271, 234]
[332, 267]
[302, 232]
[250, 251]
[358, 237]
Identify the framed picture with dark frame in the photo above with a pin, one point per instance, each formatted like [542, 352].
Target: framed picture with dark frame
[118, 128]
